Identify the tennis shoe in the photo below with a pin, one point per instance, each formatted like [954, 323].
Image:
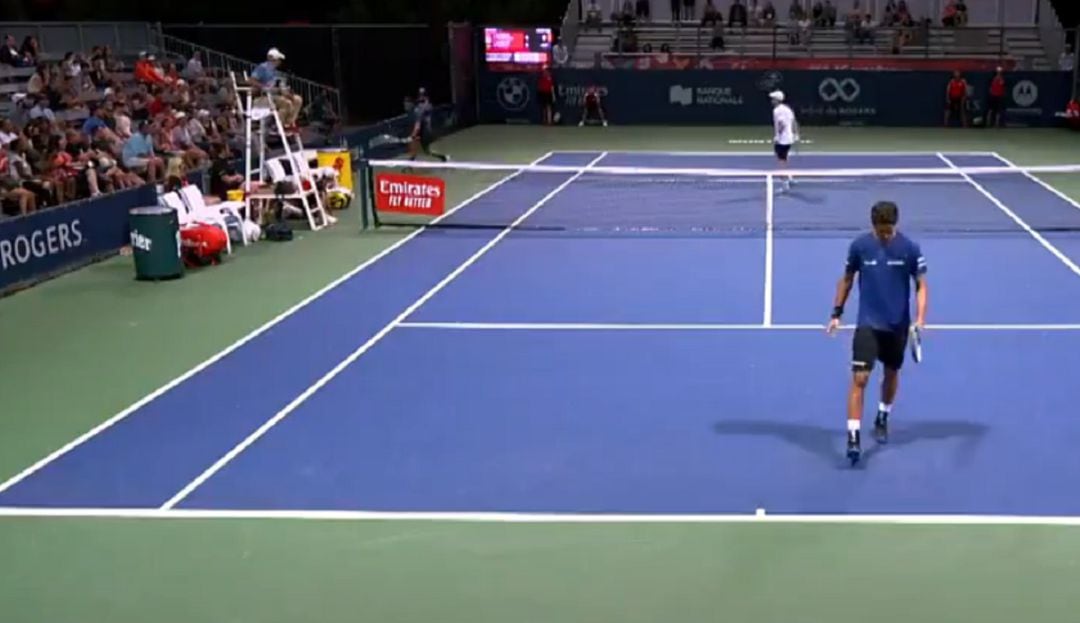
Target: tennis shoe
[854, 448]
[881, 427]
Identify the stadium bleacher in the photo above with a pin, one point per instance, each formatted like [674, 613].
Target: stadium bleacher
[1021, 45]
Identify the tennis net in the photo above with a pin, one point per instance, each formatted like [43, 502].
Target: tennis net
[642, 200]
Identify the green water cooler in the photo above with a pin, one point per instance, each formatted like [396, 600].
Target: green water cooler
[155, 243]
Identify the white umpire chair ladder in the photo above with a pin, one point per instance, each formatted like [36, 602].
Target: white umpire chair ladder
[259, 110]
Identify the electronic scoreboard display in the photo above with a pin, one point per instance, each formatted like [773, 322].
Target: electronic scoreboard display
[520, 47]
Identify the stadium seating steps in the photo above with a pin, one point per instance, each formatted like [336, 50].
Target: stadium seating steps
[1021, 44]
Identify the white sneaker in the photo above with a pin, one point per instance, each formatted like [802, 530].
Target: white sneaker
[581, 124]
[605, 124]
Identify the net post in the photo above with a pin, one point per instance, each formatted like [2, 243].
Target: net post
[369, 190]
[362, 188]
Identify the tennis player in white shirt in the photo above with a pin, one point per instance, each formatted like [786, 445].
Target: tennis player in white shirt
[786, 131]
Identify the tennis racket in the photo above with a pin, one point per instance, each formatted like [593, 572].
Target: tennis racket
[915, 342]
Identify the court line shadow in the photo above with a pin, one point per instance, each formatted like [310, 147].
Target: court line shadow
[827, 443]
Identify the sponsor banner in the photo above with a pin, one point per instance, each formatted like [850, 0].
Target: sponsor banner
[410, 194]
[693, 61]
[35, 246]
[740, 97]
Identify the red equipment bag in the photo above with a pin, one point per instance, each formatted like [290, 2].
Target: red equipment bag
[203, 245]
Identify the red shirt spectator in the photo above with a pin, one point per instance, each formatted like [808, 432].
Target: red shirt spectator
[997, 86]
[545, 84]
[957, 88]
[1072, 114]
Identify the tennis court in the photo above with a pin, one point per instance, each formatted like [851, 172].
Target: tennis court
[617, 365]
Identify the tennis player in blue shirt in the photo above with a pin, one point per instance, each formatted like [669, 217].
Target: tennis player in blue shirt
[887, 263]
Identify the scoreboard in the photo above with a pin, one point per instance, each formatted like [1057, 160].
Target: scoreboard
[528, 47]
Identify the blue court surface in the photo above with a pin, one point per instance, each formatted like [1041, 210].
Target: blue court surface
[668, 367]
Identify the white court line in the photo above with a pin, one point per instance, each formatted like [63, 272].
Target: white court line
[93, 432]
[1019, 221]
[555, 326]
[1044, 184]
[932, 154]
[542, 518]
[769, 205]
[356, 354]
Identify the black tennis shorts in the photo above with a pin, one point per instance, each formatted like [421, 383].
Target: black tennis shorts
[546, 99]
[781, 151]
[956, 105]
[871, 345]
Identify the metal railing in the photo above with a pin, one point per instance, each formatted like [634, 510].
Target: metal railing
[56, 38]
[1014, 47]
[221, 64]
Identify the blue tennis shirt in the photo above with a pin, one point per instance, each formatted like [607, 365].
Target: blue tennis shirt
[886, 272]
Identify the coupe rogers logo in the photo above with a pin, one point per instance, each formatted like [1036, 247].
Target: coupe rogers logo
[846, 90]
[512, 93]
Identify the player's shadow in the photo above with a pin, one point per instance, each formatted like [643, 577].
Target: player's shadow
[827, 443]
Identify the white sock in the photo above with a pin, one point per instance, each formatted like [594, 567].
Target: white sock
[853, 426]
[884, 408]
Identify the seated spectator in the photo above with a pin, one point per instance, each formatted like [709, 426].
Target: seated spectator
[223, 175]
[796, 13]
[737, 15]
[830, 14]
[194, 71]
[265, 78]
[31, 50]
[593, 16]
[8, 132]
[950, 17]
[626, 15]
[40, 109]
[717, 41]
[559, 53]
[961, 13]
[12, 191]
[864, 31]
[889, 14]
[99, 76]
[71, 67]
[95, 121]
[689, 10]
[39, 81]
[711, 14]
[65, 172]
[642, 10]
[138, 154]
[818, 13]
[1067, 59]
[10, 55]
[145, 70]
[25, 166]
[173, 139]
[768, 14]
[855, 15]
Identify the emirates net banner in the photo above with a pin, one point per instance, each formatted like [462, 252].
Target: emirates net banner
[410, 194]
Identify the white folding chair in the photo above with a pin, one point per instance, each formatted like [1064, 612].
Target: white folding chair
[202, 213]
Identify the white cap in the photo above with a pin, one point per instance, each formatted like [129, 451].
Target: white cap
[777, 96]
[275, 54]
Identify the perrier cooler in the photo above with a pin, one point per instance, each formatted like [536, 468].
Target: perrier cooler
[155, 243]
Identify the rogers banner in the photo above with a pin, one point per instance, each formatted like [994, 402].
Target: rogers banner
[410, 194]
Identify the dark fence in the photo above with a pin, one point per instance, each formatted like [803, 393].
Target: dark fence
[374, 66]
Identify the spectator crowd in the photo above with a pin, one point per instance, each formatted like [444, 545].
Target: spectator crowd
[91, 124]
